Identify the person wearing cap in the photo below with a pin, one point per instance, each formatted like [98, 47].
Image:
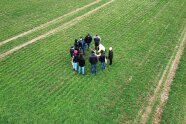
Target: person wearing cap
[75, 60]
[81, 61]
[88, 40]
[97, 41]
[93, 61]
[102, 59]
[110, 55]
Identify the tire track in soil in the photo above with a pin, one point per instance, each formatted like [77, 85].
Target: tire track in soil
[53, 31]
[110, 103]
[124, 113]
[172, 60]
[47, 23]
[165, 94]
[150, 91]
[148, 96]
[172, 65]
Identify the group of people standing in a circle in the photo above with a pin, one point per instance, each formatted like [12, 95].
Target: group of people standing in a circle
[77, 52]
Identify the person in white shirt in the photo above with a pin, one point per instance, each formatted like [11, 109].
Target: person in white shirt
[101, 48]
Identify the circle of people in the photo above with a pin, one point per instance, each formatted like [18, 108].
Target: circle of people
[77, 52]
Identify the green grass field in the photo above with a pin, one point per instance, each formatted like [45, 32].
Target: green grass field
[38, 85]
[175, 109]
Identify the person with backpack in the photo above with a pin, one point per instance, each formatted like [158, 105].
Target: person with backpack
[102, 59]
[81, 64]
[110, 55]
[93, 61]
[75, 60]
[97, 41]
[88, 40]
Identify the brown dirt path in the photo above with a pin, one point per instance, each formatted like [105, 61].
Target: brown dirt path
[168, 75]
[55, 30]
[48, 23]
[167, 86]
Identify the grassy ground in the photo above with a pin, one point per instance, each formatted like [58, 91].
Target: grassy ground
[18, 16]
[38, 85]
[175, 108]
[62, 21]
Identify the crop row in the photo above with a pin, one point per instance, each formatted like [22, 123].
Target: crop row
[38, 81]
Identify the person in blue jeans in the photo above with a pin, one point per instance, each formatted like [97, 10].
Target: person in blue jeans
[81, 64]
[102, 58]
[93, 61]
[88, 40]
[97, 41]
[75, 60]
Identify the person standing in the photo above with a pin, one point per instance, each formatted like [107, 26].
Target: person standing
[71, 50]
[88, 40]
[75, 60]
[102, 58]
[97, 41]
[101, 48]
[110, 55]
[81, 43]
[93, 61]
[71, 53]
[76, 44]
[81, 64]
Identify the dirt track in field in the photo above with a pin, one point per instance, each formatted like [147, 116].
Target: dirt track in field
[48, 23]
[166, 89]
[55, 30]
[167, 76]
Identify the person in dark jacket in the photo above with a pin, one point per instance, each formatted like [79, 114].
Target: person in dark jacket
[88, 40]
[71, 51]
[102, 58]
[110, 55]
[75, 60]
[81, 43]
[93, 61]
[97, 41]
[76, 44]
[81, 64]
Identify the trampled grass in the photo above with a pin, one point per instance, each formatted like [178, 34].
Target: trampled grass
[175, 109]
[39, 86]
